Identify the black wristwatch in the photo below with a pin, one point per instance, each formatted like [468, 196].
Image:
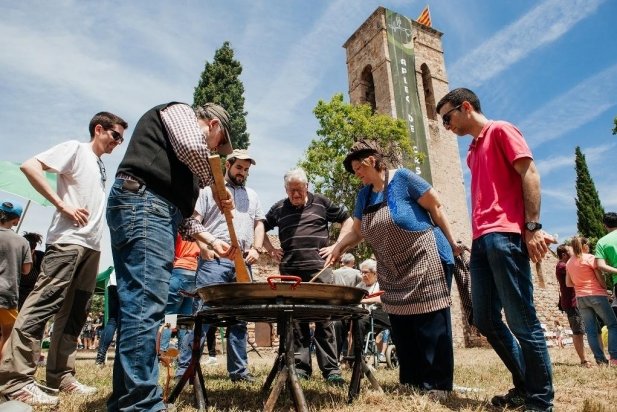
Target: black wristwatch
[533, 226]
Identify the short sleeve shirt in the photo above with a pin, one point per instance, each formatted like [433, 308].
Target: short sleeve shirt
[404, 190]
[496, 187]
[582, 274]
[247, 210]
[303, 231]
[606, 249]
[14, 252]
[81, 185]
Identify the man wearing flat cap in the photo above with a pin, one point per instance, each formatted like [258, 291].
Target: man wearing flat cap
[15, 252]
[156, 187]
[210, 224]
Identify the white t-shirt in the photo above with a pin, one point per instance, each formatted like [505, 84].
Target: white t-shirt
[80, 185]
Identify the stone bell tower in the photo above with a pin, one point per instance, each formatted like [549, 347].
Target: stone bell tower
[397, 66]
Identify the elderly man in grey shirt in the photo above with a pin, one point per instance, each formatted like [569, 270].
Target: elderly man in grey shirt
[347, 275]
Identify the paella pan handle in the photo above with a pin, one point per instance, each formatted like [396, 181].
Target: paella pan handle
[374, 295]
[282, 278]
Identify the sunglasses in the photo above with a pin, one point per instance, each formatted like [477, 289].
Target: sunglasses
[446, 116]
[117, 136]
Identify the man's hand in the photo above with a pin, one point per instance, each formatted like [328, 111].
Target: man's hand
[331, 255]
[549, 239]
[79, 216]
[205, 252]
[277, 254]
[252, 256]
[536, 245]
[326, 252]
[223, 249]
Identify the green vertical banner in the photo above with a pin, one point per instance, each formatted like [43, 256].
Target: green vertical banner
[406, 98]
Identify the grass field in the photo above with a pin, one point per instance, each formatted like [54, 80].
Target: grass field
[577, 388]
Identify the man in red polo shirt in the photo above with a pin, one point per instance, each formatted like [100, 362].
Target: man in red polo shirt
[505, 199]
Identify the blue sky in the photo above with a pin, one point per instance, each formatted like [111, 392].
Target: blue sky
[550, 67]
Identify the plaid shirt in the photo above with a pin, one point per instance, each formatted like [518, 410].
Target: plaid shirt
[187, 140]
[189, 144]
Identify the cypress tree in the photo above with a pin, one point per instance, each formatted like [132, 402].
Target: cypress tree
[589, 210]
[220, 83]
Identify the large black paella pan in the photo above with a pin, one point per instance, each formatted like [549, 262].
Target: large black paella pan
[280, 290]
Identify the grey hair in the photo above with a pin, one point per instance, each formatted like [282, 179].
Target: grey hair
[369, 264]
[295, 175]
[347, 258]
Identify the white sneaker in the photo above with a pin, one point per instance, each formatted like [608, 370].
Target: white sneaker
[78, 388]
[32, 395]
[210, 361]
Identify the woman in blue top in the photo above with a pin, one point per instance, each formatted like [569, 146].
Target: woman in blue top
[399, 214]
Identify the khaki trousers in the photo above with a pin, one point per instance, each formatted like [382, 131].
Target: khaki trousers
[64, 288]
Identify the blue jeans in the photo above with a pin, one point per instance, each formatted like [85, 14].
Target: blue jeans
[210, 272]
[501, 279]
[181, 279]
[107, 335]
[590, 306]
[143, 229]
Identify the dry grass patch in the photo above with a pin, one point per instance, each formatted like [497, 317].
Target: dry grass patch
[479, 370]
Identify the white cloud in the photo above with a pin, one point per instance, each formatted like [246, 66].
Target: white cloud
[564, 195]
[546, 166]
[542, 25]
[593, 156]
[572, 109]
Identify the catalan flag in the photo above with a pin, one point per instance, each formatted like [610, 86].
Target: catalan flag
[425, 17]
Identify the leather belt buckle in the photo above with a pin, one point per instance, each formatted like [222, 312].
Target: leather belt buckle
[131, 185]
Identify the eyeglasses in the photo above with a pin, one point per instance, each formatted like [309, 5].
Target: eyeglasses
[446, 116]
[366, 271]
[117, 136]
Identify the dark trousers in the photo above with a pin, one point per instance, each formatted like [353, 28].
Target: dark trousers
[325, 338]
[107, 335]
[341, 328]
[211, 341]
[325, 348]
[424, 349]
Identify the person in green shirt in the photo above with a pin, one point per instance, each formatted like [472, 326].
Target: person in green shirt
[606, 251]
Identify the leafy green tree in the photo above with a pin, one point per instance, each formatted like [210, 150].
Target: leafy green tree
[220, 83]
[589, 210]
[97, 304]
[615, 128]
[340, 125]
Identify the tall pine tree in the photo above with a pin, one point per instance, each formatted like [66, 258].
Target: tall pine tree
[220, 83]
[589, 210]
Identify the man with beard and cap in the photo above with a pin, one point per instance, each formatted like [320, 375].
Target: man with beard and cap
[214, 268]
